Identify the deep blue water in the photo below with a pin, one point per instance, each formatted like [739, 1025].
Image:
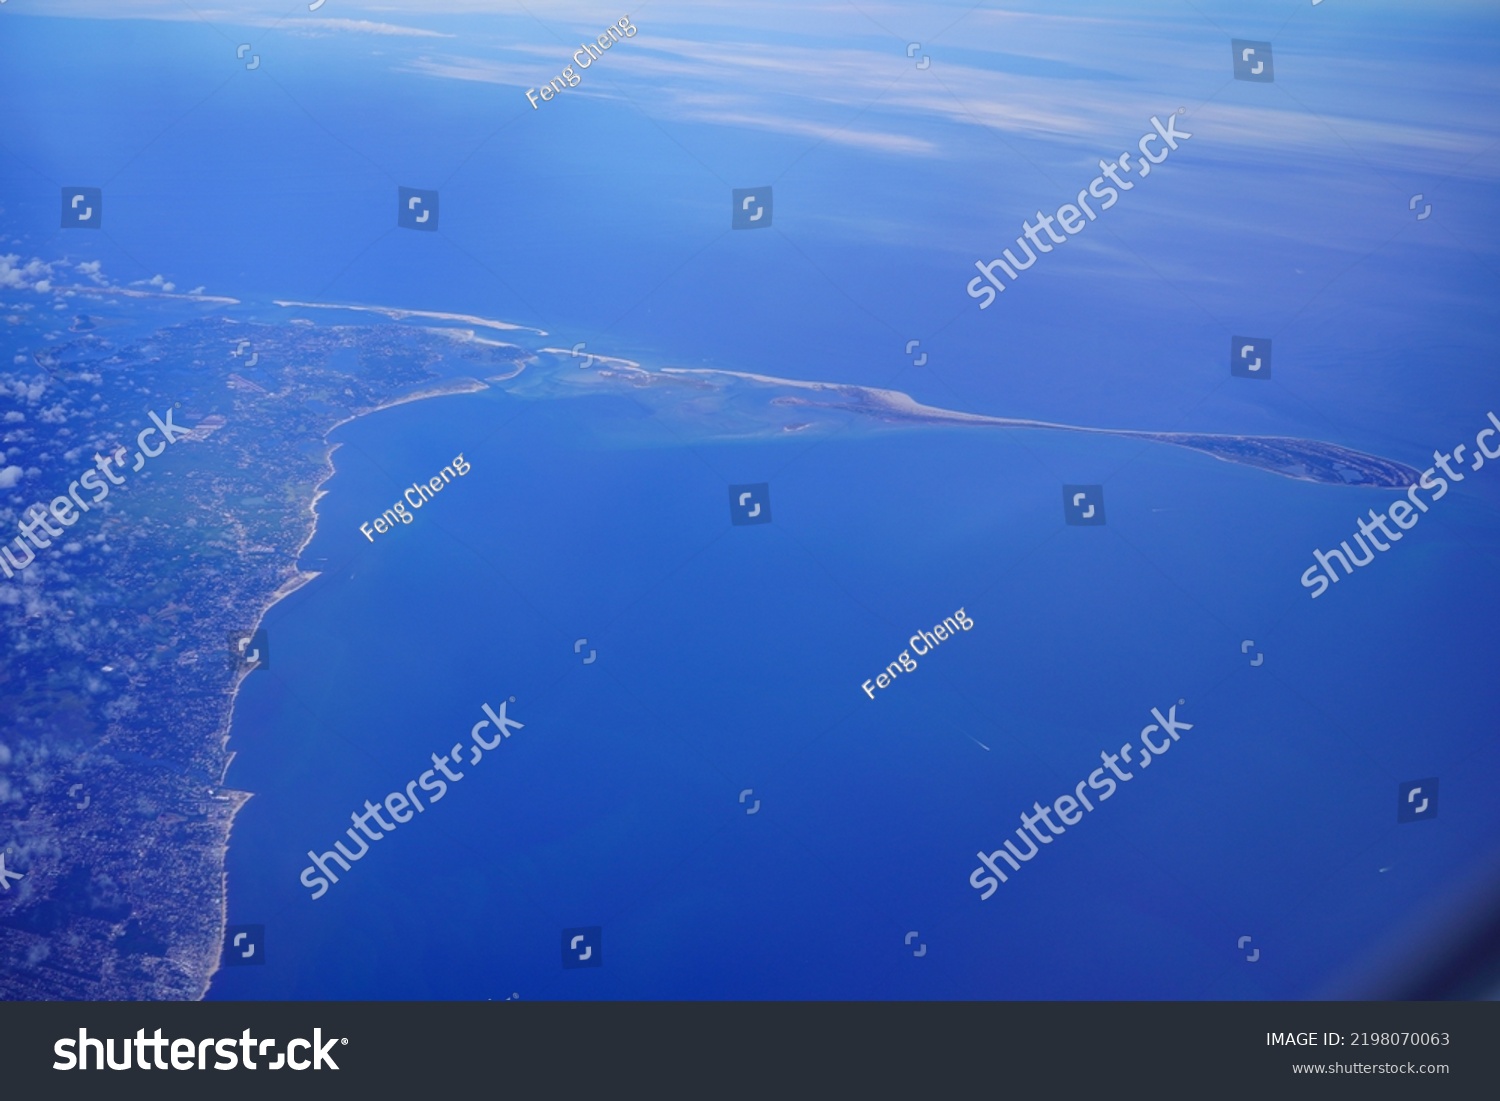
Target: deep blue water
[739, 667]
[617, 804]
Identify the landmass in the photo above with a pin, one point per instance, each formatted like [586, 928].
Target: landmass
[119, 684]
[1289, 456]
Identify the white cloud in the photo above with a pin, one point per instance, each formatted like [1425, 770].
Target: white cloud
[90, 269]
[461, 68]
[9, 476]
[365, 26]
[1089, 81]
[875, 140]
[29, 393]
[835, 71]
[32, 275]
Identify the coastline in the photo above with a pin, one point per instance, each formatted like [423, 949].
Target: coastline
[296, 580]
[214, 299]
[446, 387]
[401, 315]
[1318, 460]
[890, 405]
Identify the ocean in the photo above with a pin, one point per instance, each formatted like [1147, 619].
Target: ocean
[730, 658]
[714, 791]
